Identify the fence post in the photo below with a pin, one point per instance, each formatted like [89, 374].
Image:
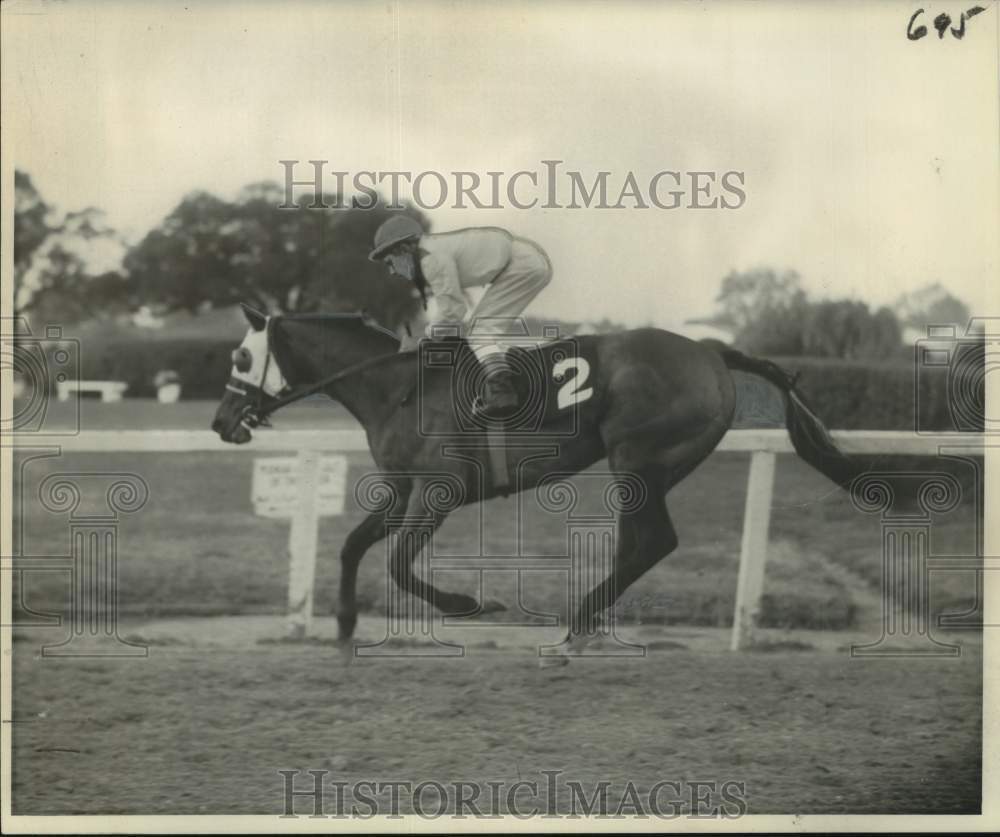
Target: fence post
[753, 550]
[302, 539]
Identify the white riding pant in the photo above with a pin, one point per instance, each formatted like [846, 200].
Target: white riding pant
[526, 274]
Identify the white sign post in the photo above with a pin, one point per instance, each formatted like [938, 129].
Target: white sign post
[301, 488]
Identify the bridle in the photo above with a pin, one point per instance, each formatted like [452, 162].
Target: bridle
[254, 413]
[257, 414]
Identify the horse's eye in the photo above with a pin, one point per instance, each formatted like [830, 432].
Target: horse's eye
[242, 359]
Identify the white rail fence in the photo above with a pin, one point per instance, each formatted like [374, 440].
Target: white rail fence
[763, 445]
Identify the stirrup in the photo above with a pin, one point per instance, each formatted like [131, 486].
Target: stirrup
[480, 409]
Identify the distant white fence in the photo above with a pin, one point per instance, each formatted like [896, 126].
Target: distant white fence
[762, 444]
[109, 390]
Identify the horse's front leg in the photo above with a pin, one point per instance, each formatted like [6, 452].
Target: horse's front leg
[410, 537]
[365, 535]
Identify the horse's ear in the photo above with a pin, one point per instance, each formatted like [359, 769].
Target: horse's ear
[257, 320]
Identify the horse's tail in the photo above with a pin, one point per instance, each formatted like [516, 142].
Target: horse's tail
[809, 435]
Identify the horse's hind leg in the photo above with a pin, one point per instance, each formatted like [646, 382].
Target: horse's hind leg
[645, 535]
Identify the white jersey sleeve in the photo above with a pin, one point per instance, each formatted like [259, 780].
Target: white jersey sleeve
[450, 304]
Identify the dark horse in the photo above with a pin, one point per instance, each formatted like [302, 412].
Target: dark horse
[655, 404]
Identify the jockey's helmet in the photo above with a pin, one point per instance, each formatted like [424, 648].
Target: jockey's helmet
[392, 232]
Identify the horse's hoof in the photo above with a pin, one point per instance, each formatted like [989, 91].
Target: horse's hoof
[492, 606]
[345, 647]
[460, 606]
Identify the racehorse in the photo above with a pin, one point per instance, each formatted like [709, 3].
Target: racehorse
[654, 403]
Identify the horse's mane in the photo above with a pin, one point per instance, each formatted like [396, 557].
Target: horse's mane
[361, 317]
[361, 320]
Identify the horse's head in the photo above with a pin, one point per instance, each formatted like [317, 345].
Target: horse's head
[255, 381]
[311, 348]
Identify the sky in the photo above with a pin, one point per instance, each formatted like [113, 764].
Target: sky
[870, 161]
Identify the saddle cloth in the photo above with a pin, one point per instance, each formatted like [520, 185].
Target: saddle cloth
[555, 382]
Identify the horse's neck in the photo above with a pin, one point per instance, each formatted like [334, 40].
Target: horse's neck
[319, 349]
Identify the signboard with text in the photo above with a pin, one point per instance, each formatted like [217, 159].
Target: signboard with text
[275, 488]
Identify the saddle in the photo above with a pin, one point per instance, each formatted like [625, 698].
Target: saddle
[554, 382]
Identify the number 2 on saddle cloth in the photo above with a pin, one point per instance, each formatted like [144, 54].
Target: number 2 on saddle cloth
[555, 383]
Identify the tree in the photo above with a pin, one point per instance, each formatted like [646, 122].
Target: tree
[32, 223]
[883, 337]
[65, 268]
[770, 314]
[217, 252]
[191, 257]
[776, 331]
[847, 329]
[931, 305]
[744, 297]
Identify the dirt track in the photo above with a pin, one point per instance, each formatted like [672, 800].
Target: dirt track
[203, 726]
[206, 721]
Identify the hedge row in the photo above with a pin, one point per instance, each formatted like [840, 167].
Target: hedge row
[202, 365]
[854, 396]
[846, 395]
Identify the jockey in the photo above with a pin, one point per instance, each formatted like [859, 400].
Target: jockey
[514, 271]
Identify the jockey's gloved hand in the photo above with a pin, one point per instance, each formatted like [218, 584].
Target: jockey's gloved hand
[409, 343]
[445, 332]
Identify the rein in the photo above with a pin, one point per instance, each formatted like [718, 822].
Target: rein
[257, 415]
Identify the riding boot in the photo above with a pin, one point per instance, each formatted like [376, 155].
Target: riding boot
[501, 399]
